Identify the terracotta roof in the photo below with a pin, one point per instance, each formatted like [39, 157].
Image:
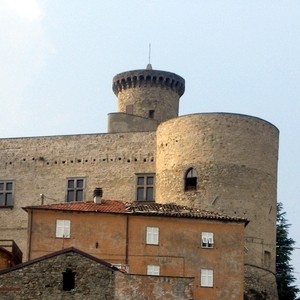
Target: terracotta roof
[106, 206]
[139, 208]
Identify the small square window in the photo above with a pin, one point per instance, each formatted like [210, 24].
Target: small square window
[153, 270]
[63, 228]
[207, 240]
[207, 278]
[152, 235]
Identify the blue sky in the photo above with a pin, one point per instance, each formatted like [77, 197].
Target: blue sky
[243, 56]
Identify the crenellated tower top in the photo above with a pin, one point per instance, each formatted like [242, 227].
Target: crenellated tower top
[148, 78]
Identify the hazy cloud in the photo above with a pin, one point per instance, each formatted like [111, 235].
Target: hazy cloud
[24, 47]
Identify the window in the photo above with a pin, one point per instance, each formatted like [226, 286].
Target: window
[207, 278]
[129, 109]
[6, 193]
[151, 113]
[153, 270]
[68, 280]
[207, 240]
[75, 189]
[63, 228]
[190, 180]
[152, 235]
[145, 187]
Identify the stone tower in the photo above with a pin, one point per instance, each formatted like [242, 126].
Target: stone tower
[226, 163]
[145, 99]
[216, 161]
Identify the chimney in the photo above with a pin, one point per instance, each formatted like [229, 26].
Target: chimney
[98, 195]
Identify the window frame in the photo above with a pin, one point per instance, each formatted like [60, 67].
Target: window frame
[153, 270]
[61, 226]
[75, 189]
[144, 187]
[6, 192]
[207, 240]
[207, 278]
[152, 235]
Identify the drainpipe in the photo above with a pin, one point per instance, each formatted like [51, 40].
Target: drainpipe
[127, 238]
[29, 232]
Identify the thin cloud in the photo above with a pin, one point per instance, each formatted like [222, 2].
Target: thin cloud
[26, 9]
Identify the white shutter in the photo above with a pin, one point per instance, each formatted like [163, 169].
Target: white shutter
[63, 228]
[152, 235]
[207, 278]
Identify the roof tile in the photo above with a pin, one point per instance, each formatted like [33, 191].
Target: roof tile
[138, 208]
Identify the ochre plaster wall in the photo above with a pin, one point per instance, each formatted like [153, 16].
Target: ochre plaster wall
[179, 252]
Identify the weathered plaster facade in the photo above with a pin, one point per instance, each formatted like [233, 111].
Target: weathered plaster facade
[235, 157]
[119, 237]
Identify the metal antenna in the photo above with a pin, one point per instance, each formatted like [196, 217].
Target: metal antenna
[149, 67]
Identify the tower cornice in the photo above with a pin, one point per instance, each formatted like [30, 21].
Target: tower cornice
[156, 78]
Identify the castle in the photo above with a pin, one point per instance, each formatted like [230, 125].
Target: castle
[220, 162]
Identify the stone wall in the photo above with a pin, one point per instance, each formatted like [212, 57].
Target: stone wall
[41, 165]
[139, 287]
[44, 280]
[94, 280]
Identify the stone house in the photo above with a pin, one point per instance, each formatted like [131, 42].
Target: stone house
[148, 239]
[222, 162]
[73, 274]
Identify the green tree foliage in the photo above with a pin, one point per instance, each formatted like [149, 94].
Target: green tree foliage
[284, 249]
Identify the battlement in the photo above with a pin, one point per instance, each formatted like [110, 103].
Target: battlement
[149, 78]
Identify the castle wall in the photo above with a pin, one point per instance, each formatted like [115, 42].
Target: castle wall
[41, 165]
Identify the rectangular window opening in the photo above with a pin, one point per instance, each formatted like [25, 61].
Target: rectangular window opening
[207, 278]
[207, 240]
[6, 193]
[151, 113]
[153, 270]
[75, 189]
[63, 229]
[68, 280]
[145, 187]
[152, 235]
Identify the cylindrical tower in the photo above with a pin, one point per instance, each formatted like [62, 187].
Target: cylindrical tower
[226, 163]
[149, 93]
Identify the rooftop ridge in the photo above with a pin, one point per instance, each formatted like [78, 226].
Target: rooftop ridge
[135, 208]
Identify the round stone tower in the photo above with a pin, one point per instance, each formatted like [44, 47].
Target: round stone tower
[226, 163]
[148, 93]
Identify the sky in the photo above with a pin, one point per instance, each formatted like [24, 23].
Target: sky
[58, 59]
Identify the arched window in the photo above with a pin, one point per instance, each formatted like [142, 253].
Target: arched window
[190, 180]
